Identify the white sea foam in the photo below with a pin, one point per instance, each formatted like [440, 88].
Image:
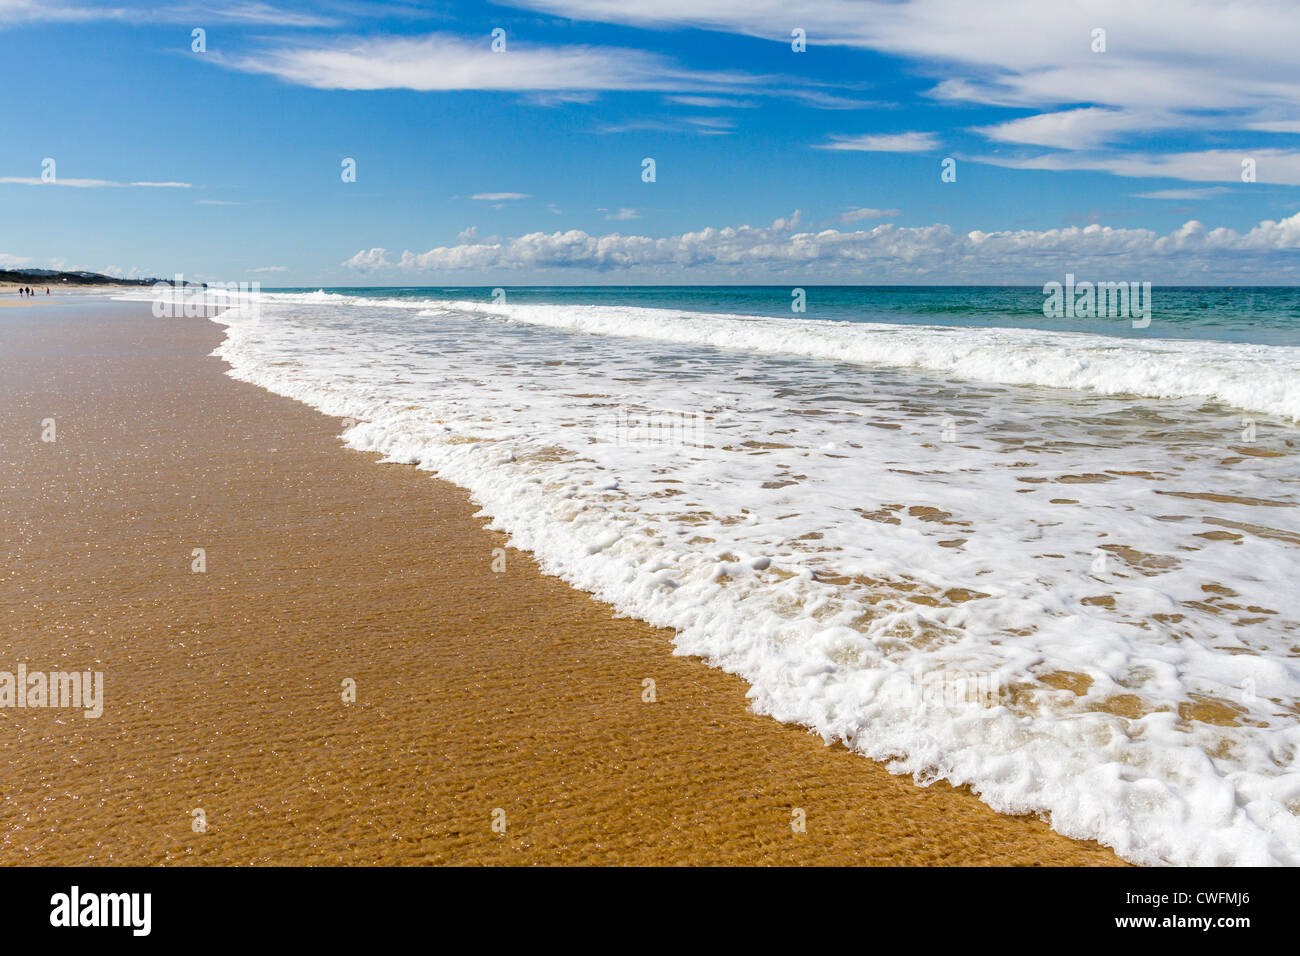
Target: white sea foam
[1077, 601]
[1259, 377]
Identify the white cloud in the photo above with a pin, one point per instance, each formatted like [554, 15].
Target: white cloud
[270, 269]
[884, 143]
[1086, 128]
[13, 262]
[369, 260]
[562, 98]
[1279, 166]
[443, 61]
[885, 252]
[498, 197]
[712, 125]
[624, 214]
[698, 125]
[1209, 192]
[13, 12]
[821, 100]
[1279, 126]
[87, 183]
[710, 102]
[1163, 57]
[261, 14]
[857, 215]
[117, 272]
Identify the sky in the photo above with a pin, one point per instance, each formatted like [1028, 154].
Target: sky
[832, 141]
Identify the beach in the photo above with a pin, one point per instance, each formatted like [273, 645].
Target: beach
[500, 715]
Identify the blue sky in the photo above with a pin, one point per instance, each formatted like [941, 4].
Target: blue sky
[525, 166]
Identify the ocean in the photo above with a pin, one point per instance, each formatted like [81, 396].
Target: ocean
[1052, 559]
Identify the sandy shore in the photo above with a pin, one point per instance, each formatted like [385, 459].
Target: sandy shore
[481, 696]
[58, 292]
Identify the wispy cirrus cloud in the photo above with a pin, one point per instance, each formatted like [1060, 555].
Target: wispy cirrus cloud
[711, 102]
[1209, 192]
[1162, 65]
[1161, 53]
[18, 12]
[75, 183]
[444, 61]
[546, 75]
[1086, 128]
[865, 212]
[1280, 166]
[884, 143]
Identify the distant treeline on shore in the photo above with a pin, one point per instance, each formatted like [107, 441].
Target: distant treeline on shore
[49, 277]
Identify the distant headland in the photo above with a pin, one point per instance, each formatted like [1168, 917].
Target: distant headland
[51, 277]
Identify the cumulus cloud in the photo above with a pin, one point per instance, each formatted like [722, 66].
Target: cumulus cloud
[936, 252]
[369, 260]
[13, 262]
[117, 272]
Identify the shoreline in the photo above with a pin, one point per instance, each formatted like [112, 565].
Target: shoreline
[477, 691]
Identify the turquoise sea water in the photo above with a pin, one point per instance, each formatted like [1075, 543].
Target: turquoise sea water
[1265, 316]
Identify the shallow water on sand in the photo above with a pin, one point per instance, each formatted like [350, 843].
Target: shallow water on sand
[1076, 600]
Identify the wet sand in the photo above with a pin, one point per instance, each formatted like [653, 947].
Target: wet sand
[480, 696]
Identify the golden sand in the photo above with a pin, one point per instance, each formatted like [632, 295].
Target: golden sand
[481, 696]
